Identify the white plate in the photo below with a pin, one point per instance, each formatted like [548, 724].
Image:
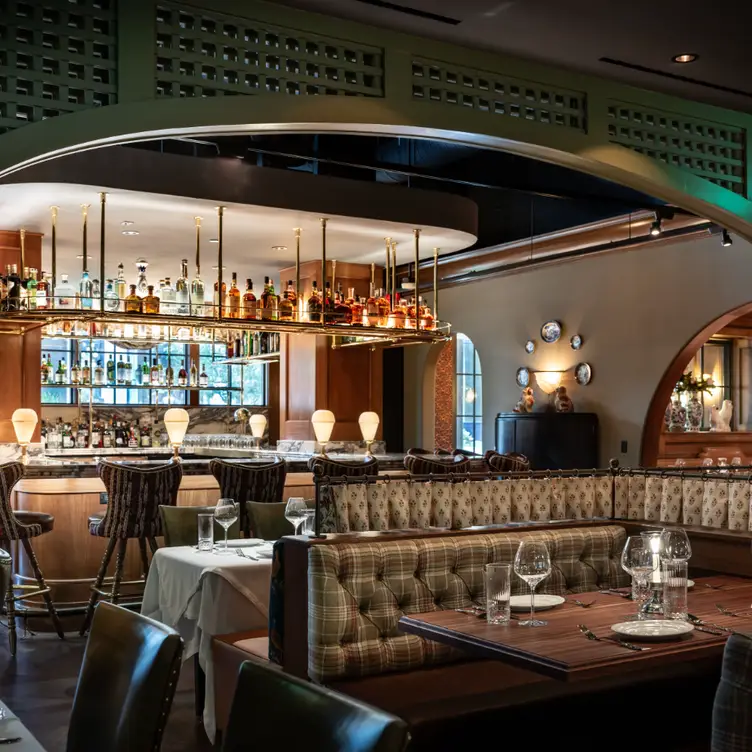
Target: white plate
[653, 629]
[542, 602]
[241, 542]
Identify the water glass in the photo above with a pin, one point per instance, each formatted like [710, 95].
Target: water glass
[638, 560]
[498, 593]
[674, 575]
[205, 532]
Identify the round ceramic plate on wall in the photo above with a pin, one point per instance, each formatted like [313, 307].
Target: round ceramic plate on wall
[523, 377]
[530, 347]
[551, 331]
[583, 374]
[576, 342]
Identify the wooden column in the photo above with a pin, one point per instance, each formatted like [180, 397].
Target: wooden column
[20, 354]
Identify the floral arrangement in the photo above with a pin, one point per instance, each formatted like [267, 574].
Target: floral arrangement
[690, 383]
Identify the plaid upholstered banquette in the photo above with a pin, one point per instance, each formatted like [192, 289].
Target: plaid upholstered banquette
[732, 709]
[357, 592]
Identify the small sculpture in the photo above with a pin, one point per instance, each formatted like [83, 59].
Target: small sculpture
[720, 418]
[527, 400]
[563, 402]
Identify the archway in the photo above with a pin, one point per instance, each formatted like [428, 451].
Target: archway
[653, 425]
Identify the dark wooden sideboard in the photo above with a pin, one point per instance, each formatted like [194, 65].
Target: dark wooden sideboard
[552, 441]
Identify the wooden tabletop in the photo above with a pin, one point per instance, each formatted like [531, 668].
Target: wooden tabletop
[561, 651]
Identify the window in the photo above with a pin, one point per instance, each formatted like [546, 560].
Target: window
[249, 381]
[469, 396]
[713, 359]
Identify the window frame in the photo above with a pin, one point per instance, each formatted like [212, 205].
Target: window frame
[461, 377]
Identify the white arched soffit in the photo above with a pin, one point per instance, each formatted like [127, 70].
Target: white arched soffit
[154, 119]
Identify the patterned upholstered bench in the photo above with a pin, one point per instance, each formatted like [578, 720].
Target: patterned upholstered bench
[335, 606]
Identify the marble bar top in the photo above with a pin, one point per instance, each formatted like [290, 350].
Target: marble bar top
[82, 463]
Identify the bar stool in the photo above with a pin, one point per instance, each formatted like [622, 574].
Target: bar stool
[135, 494]
[430, 466]
[22, 526]
[243, 482]
[323, 466]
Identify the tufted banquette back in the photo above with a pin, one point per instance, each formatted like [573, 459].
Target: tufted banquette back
[357, 592]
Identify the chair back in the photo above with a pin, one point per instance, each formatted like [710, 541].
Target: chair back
[434, 466]
[732, 720]
[180, 525]
[126, 685]
[324, 466]
[10, 529]
[243, 481]
[135, 494]
[274, 710]
[268, 521]
[513, 462]
[417, 452]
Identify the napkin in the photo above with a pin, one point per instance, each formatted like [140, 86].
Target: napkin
[243, 542]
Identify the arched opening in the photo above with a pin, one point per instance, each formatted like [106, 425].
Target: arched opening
[468, 396]
[720, 350]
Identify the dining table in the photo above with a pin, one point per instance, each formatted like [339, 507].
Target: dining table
[12, 729]
[719, 605]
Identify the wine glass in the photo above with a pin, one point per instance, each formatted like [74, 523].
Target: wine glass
[638, 560]
[532, 563]
[295, 511]
[675, 545]
[226, 514]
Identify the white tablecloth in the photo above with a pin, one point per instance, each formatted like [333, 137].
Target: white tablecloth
[11, 727]
[204, 594]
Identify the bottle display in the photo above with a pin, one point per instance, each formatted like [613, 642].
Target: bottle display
[315, 305]
[269, 302]
[167, 298]
[151, 301]
[249, 301]
[142, 285]
[31, 290]
[194, 375]
[65, 295]
[182, 291]
[287, 303]
[197, 295]
[14, 289]
[85, 291]
[182, 375]
[217, 296]
[133, 301]
[43, 288]
[233, 299]
[120, 286]
[342, 311]
[111, 300]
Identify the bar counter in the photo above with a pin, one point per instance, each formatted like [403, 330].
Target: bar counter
[66, 485]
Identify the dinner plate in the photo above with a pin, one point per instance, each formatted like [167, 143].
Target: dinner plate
[653, 630]
[242, 542]
[542, 602]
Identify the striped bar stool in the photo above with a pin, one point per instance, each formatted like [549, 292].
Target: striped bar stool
[242, 481]
[21, 527]
[135, 494]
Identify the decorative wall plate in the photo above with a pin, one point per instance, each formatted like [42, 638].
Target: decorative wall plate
[523, 377]
[583, 374]
[551, 331]
[576, 341]
[530, 347]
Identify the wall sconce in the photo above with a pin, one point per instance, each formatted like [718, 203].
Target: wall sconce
[24, 421]
[323, 425]
[548, 381]
[258, 426]
[176, 422]
[369, 424]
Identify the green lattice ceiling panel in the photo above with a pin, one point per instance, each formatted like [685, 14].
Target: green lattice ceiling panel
[56, 56]
[200, 54]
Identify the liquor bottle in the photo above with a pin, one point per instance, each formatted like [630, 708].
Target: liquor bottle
[292, 296]
[287, 304]
[31, 290]
[328, 304]
[182, 375]
[65, 295]
[203, 379]
[398, 313]
[14, 289]
[315, 305]
[128, 372]
[84, 291]
[119, 435]
[231, 352]
[426, 319]
[151, 301]
[194, 374]
[372, 309]
[249, 301]
[61, 375]
[111, 370]
[99, 374]
[75, 373]
[169, 375]
[356, 307]
[384, 309]
[410, 321]
[132, 302]
[85, 377]
[342, 311]
[24, 281]
[232, 303]
[141, 284]
[216, 299]
[120, 287]
[96, 435]
[160, 374]
[121, 371]
[168, 302]
[269, 302]
[197, 295]
[42, 292]
[145, 437]
[256, 344]
[154, 373]
[182, 291]
[106, 436]
[43, 371]
[145, 373]
[4, 288]
[111, 302]
[96, 292]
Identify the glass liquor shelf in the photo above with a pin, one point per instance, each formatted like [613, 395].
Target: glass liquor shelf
[242, 360]
[208, 327]
[152, 387]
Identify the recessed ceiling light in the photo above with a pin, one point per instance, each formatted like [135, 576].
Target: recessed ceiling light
[214, 240]
[126, 223]
[685, 57]
[81, 255]
[279, 247]
[130, 232]
[216, 268]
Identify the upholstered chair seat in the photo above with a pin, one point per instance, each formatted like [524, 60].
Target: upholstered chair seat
[324, 466]
[416, 465]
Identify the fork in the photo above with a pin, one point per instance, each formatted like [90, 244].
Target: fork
[726, 612]
[716, 628]
[581, 604]
[243, 555]
[623, 643]
[611, 591]
[713, 587]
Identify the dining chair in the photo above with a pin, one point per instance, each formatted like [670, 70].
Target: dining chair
[511, 462]
[418, 452]
[732, 709]
[126, 685]
[324, 466]
[275, 710]
[268, 521]
[180, 525]
[262, 482]
[416, 465]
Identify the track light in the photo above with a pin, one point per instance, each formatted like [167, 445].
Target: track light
[657, 227]
[726, 240]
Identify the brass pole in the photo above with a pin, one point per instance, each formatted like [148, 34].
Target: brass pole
[416, 233]
[198, 245]
[394, 271]
[102, 203]
[323, 264]
[22, 233]
[54, 210]
[220, 220]
[436, 285]
[388, 242]
[299, 296]
[372, 292]
[85, 212]
[334, 274]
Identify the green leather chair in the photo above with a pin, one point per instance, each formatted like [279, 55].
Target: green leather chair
[268, 520]
[180, 525]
